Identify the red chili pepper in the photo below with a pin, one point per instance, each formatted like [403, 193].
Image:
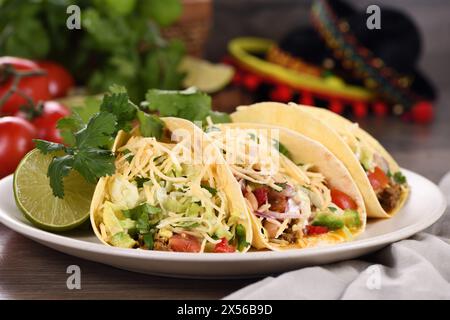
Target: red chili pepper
[315, 230]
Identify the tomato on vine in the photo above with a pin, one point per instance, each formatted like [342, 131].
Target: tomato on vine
[16, 136]
[22, 83]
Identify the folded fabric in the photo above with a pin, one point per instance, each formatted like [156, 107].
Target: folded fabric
[416, 268]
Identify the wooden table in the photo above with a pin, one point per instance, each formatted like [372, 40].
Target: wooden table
[29, 270]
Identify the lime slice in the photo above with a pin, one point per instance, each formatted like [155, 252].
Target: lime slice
[205, 76]
[35, 198]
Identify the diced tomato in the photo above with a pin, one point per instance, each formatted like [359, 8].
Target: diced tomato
[315, 230]
[278, 201]
[184, 243]
[378, 179]
[224, 247]
[342, 200]
[261, 195]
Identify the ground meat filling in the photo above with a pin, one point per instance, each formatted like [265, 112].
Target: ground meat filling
[390, 196]
[161, 244]
[289, 235]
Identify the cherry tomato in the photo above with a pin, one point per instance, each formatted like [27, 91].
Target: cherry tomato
[184, 243]
[261, 195]
[342, 200]
[314, 230]
[60, 80]
[16, 136]
[45, 124]
[378, 179]
[35, 87]
[224, 247]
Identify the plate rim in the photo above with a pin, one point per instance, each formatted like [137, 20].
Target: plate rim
[61, 240]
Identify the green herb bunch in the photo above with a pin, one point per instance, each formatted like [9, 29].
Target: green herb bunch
[119, 40]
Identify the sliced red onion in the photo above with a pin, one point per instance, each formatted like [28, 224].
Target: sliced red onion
[277, 215]
[288, 191]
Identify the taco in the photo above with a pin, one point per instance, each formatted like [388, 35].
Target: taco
[298, 194]
[164, 197]
[378, 176]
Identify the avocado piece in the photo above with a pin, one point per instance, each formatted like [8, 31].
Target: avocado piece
[351, 218]
[193, 210]
[110, 220]
[175, 206]
[366, 159]
[128, 224]
[122, 240]
[331, 221]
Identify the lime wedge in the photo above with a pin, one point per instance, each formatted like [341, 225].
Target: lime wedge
[35, 198]
[205, 76]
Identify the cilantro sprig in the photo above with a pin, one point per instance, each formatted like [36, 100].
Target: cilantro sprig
[88, 143]
[87, 148]
[88, 155]
[189, 104]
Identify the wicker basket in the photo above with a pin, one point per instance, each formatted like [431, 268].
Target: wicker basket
[193, 26]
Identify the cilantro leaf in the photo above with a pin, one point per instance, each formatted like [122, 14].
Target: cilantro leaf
[241, 237]
[119, 104]
[91, 105]
[188, 104]
[140, 181]
[47, 147]
[150, 125]
[57, 170]
[211, 190]
[219, 117]
[98, 132]
[93, 163]
[148, 240]
[282, 149]
[399, 178]
[68, 126]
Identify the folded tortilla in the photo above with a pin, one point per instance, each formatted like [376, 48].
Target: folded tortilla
[164, 198]
[288, 182]
[365, 158]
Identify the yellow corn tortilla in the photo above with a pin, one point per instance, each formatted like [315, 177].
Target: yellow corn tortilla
[305, 150]
[227, 182]
[323, 126]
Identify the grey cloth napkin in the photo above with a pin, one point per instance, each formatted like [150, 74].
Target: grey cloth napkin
[416, 268]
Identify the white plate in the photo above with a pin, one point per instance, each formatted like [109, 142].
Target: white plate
[425, 205]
